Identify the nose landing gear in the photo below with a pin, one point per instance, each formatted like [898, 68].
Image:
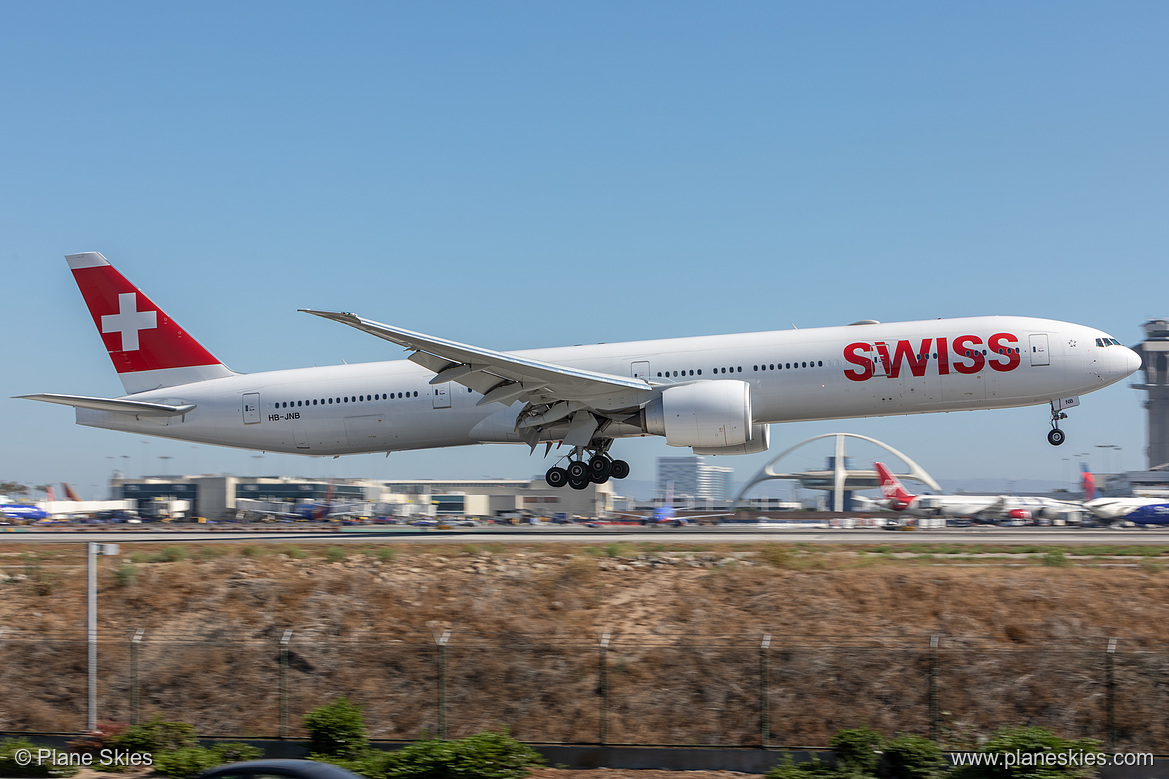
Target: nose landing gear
[1055, 436]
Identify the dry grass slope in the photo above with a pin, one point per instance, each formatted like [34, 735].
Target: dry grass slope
[850, 641]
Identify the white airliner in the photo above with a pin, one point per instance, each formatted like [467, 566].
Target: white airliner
[716, 394]
[990, 508]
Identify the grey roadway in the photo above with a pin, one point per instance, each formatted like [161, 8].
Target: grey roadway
[706, 535]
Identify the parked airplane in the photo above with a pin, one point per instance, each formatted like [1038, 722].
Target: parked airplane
[987, 508]
[310, 511]
[26, 511]
[716, 394]
[1121, 508]
[667, 514]
[1149, 515]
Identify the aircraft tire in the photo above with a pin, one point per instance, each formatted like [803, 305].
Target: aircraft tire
[577, 470]
[620, 469]
[600, 468]
[556, 477]
[579, 484]
[1056, 437]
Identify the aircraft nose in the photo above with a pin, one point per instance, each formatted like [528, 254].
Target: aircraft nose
[1131, 361]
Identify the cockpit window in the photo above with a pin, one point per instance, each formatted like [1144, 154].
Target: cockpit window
[1107, 342]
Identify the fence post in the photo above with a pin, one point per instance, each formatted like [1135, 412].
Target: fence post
[284, 683]
[135, 691]
[764, 678]
[604, 673]
[1110, 693]
[441, 641]
[934, 725]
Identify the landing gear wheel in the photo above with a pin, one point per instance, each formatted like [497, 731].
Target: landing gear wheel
[578, 471]
[556, 477]
[579, 484]
[1056, 437]
[600, 468]
[620, 469]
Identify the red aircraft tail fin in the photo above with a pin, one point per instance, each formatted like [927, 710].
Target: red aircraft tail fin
[892, 488]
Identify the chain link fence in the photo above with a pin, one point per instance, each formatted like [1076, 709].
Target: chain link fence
[607, 689]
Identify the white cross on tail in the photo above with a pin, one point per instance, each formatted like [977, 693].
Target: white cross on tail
[129, 321]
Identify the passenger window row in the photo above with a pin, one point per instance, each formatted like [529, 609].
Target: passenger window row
[345, 399]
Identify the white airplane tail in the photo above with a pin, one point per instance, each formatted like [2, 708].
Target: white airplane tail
[148, 349]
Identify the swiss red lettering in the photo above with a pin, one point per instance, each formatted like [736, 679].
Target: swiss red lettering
[1002, 347]
[967, 358]
[964, 350]
[860, 360]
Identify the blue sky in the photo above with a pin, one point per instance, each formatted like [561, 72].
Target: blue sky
[535, 174]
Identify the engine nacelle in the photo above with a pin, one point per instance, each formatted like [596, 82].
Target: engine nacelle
[760, 441]
[702, 414]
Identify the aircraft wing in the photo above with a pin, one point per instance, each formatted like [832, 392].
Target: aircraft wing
[488, 372]
[117, 405]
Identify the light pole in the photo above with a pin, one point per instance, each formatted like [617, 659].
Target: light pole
[92, 550]
[164, 458]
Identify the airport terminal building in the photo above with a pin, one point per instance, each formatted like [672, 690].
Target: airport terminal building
[216, 496]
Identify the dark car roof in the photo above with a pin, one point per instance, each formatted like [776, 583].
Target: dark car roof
[305, 769]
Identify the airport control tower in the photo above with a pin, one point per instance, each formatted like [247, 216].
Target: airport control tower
[1154, 352]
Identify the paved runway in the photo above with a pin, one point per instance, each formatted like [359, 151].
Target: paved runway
[578, 535]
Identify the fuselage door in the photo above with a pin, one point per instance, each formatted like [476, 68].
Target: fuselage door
[1039, 354]
[442, 395]
[251, 408]
[639, 370]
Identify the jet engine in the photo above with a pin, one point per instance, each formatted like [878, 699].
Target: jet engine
[760, 441]
[1022, 514]
[703, 414]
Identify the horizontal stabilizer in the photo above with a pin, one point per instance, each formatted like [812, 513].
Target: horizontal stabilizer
[115, 405]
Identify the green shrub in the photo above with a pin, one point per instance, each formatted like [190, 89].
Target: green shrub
[234, 752]
[185, 762]
[1055, 559]
[487, 755]
[1021, 741]
[335, 554]
[157, 736]
[336, 729]
[806, 770]
[911, 757]
[172, 554]
[57, 764]
[125, 575]
[857, 750]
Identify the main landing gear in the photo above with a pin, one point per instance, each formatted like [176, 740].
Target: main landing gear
[580, 474]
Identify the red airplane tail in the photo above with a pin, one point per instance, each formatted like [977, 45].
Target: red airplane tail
[892, 488]
[70, 493]
[149, 349]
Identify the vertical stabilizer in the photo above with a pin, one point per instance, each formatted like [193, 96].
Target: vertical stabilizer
[892, 488]
[148, 349]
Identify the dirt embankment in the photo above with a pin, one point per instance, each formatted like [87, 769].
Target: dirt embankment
[850, 643]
